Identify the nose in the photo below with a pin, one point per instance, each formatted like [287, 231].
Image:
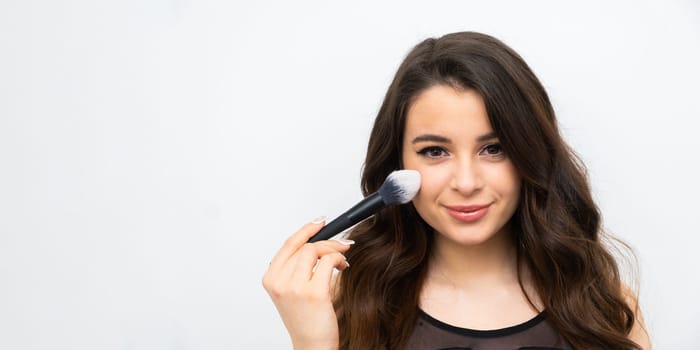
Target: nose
[466, 177]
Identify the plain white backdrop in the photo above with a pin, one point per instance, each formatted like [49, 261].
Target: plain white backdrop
[155, 154]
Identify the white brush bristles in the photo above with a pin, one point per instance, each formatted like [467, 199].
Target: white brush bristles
[400, 187]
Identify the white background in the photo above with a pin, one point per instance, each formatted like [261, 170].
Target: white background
[155, 154]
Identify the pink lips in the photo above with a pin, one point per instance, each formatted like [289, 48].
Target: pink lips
[468, 213]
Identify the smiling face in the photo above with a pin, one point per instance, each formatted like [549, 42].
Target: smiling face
[469, 189]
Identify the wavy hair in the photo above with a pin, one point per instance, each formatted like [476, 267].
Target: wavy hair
[558, 233]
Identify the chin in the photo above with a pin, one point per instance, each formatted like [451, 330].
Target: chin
[473, 235]
[468, 238]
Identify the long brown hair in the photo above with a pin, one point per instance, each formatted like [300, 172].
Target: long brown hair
[557, 222]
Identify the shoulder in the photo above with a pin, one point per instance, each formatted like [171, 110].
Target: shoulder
[639, 333]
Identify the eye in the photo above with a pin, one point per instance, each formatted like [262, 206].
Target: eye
[433, 152]
[492, 150]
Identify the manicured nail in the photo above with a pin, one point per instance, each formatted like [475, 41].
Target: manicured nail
[347, 264]
[319, 220]
[346, 241]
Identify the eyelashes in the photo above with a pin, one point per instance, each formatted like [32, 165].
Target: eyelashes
[433, 152]
[491, 150]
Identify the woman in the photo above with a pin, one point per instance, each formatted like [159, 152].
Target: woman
[501, 247]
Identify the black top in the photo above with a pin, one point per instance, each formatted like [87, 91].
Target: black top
[535, 334]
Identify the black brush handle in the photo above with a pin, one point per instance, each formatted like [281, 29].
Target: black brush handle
[362, 210]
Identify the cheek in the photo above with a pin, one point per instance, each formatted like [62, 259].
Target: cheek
[505, 180]
[434, 181]
[434, 177]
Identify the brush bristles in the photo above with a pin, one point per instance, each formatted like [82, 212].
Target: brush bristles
[400, 187]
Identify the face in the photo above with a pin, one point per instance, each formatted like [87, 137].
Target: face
[469, 188]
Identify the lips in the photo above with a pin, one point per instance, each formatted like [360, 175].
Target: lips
[468, 213]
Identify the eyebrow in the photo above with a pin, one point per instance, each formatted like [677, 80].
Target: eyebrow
[442, 139]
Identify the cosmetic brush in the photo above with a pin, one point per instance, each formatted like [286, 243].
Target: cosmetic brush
[398, 188]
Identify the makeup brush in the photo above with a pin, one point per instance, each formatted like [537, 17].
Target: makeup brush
[398, 188]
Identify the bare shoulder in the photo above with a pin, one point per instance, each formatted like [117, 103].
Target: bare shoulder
[639, 333]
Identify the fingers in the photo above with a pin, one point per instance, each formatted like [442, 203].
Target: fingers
[306, 257]
[321, 279]
[293, 243]
[301, 264]
[313, 260]
[296, 261]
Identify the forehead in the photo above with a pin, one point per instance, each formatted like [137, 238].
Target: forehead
[449, 111]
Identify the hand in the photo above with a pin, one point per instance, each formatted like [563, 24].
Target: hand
[299, 281]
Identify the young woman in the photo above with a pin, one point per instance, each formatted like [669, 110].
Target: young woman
[501, 247]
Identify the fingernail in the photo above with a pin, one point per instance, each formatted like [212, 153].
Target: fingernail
[346, 241]
[347, 264]
[319, 220]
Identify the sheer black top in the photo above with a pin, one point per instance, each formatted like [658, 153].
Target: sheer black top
[537, 333]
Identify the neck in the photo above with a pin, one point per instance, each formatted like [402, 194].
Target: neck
[467, 266]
